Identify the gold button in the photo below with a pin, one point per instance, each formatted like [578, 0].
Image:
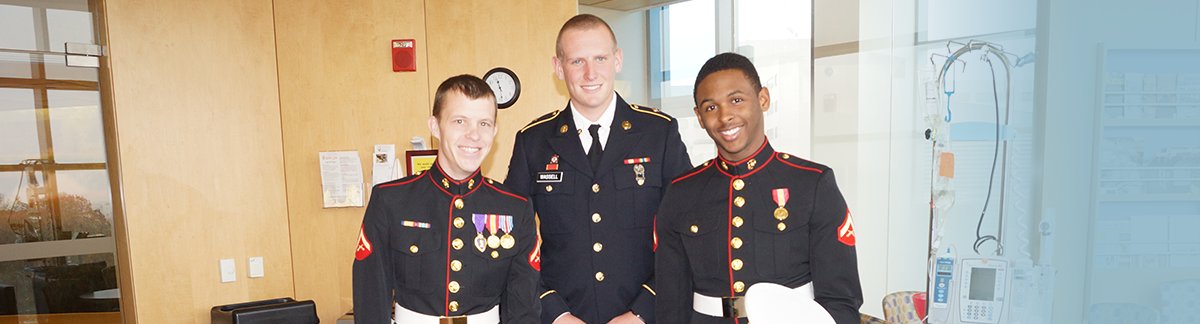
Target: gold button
[736, 264]
[549, 188]
[695, 229]
[453, 306]
[490, 180]
[597, 247]
[457, 244]
[562, 129]
[785, 156]
[453, 287]
[706, 162]
[739, 201]
[750, 165]
[458, 203]
[495, 254]
[445, 183]
[455, 265]
[595, 217]
[413, 248]
[599, 276]
[595, 187]
[626, 125]
[739, 286]
[458, 222]
[736, 243]
[782, 226]
[738, 184]
[737, 221]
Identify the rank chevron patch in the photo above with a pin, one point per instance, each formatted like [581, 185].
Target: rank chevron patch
[846, 231]
[364, 246]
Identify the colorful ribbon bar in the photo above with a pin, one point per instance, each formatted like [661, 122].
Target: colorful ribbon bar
[414, 224]
[637, 160]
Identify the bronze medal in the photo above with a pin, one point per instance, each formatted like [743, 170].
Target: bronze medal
[781, 213]
[493, 241]
[507, 241]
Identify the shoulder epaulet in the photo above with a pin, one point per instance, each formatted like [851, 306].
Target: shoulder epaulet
[649, 110]
[545, 118]
[795, 161]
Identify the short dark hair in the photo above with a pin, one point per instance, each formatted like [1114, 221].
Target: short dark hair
[582, 22]
[468, 85]
[728, 61]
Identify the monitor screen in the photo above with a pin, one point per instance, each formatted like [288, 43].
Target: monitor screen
[983, 284]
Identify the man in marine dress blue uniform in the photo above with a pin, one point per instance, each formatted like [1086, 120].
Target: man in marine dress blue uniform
[752, 218]
[596, 172]
[448, 245]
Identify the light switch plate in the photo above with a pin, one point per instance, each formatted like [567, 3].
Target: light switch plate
[228, 270]
[256, 267]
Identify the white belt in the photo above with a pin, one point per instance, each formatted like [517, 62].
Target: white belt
[735, 307]
[405, 316]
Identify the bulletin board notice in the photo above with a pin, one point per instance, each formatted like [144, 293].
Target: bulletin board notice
[341, 179]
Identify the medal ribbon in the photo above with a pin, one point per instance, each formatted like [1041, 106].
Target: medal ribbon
[479, 220]
[492, 223]
[507, 224]
[780, 195]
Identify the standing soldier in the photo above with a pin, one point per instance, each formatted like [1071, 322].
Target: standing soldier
[448, 245]
[752, 220]
[596, 172]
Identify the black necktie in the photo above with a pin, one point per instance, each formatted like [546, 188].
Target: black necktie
[596, 150]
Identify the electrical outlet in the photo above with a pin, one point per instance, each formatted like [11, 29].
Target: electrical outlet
[228, 270]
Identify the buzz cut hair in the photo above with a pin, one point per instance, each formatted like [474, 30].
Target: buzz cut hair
[728, 61]
[582, 22]
[468, 85]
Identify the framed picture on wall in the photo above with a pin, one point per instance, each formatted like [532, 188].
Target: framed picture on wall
[417, 161]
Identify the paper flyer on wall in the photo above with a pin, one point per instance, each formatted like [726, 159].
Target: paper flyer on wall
[341, 179]
[384, 166]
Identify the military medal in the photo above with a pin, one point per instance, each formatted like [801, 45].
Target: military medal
[553, 163]
[507, 240]
[781, 197]
[639, 173]
[493, 241]
[479, 220]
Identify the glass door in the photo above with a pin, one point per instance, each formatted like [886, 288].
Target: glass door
[56, 207]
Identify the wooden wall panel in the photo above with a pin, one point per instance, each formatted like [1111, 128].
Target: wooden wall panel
[196, 106]
[338, 92]
[475, 36]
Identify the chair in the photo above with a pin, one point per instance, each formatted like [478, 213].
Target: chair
[868, 319]
[1181, 301]
[898, 307]
[1121, 313]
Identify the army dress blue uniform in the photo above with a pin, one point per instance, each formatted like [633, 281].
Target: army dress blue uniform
[597, 227]
[446, 248]
[771, 218]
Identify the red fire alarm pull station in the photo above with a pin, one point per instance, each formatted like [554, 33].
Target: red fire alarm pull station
[404, 55]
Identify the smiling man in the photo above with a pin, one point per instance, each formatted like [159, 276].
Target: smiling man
[753, 233]
[596, 171]
[449, 245]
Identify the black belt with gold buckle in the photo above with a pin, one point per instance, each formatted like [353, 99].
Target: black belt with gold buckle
[461, 319]
[733, 307]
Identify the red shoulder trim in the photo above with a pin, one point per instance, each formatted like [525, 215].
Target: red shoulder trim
[797, 166]
[504, 192]
[402, 183]
[710, 164]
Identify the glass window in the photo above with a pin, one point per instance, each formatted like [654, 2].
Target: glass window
[54, 185]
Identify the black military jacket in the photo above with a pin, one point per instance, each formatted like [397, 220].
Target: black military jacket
[718, 233]
[417, 247]
[597, 228]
